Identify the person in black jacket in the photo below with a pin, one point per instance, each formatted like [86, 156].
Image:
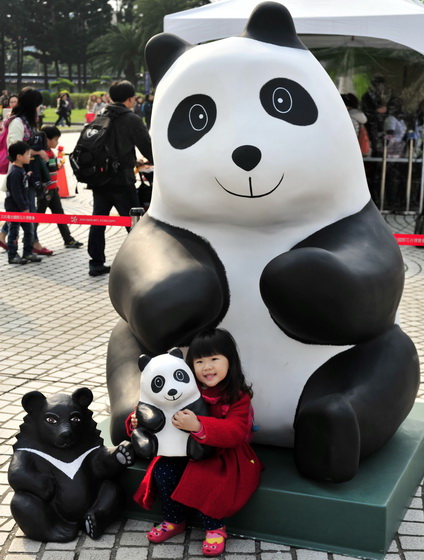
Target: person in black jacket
[120, 191]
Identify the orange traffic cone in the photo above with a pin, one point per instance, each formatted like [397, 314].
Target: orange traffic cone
[62, 181]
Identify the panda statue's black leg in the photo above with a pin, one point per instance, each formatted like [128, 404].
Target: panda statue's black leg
[39, 520]
[123, 378]
[353, 404]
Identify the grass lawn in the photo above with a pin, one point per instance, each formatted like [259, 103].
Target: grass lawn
[77, 116]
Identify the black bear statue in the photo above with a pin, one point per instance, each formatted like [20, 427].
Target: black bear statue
[61, 471]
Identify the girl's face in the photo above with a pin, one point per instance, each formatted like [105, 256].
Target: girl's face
[13, 101]
[211, 370]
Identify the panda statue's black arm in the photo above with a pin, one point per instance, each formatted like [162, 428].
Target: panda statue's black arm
[199, 407]
[342, 285]
[167, 283]
[150, 417]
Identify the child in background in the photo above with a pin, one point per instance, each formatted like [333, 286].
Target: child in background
[219, 486]
[17, 201]
[50, 198]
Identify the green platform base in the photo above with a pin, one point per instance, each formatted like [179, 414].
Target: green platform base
[357, 518]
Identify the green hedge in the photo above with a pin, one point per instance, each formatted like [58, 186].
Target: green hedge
[78, 100]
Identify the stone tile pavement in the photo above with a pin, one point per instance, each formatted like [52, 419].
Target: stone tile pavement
[55, 322]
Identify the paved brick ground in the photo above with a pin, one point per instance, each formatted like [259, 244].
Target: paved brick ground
[55, 322]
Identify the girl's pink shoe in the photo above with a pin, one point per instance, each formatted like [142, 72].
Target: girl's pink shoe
[165, 531]
[214, 543]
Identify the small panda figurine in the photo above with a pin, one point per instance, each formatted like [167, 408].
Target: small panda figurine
[167, 385]
[261, 222]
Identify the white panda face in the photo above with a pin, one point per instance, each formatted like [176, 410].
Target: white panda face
[167, 382]
[251, 133]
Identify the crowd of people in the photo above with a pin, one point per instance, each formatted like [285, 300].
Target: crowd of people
[31, 181]
[386, 120]
[391, 134]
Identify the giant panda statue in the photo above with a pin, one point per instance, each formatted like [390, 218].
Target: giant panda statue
[261, 222]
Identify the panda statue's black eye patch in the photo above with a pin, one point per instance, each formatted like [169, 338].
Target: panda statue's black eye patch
[191, 120]
[287, 100]
[181, 376]
[158, 383]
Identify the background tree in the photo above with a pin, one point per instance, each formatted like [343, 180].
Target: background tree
[88, 20]
[4, 25]
[14, 19]
[59, 30]
[79, 33]
[123, 11]
[152, 12]
[120, 51]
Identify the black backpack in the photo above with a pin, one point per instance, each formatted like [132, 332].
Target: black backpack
[95, 157]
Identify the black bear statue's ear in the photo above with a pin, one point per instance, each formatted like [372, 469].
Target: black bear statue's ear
[177, 352]
[161, 52]
[83, 396]
[272, 23]
[33, 401]
[143, 360]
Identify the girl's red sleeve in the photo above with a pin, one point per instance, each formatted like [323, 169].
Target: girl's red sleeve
[230, 430]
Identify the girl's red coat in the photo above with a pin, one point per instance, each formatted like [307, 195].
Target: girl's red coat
[221, 485]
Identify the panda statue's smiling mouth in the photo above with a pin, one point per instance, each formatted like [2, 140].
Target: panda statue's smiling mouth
[173, 397]
[251, 191]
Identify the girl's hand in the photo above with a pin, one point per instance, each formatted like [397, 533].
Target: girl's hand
[186, 420]
[134, 421]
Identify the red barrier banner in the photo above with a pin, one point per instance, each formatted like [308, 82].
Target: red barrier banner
[409, 239]
[401, 238]
[66, 219]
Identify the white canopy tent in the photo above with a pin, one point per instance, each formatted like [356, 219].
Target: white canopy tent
[379, 21]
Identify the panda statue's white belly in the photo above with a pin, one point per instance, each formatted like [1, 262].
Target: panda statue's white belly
[171, 438]
[287, 362]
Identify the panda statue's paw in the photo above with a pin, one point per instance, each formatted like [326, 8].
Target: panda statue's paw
[327, 439]
[145, 444]
[198, 451]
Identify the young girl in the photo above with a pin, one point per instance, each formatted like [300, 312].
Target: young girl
[217, 487]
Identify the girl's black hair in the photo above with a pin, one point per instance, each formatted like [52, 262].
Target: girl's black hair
[28, 101]
[219, 341]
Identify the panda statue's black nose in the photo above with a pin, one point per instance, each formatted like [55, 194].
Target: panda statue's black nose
[247, 157]
[172, 392]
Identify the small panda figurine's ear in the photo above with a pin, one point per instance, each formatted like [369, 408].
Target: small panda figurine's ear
[272, 23]
[143, 360]
[176, 352]
[33, 401]
[161, 52]
[83, 396]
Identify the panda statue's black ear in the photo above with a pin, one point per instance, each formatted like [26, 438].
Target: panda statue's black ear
[177, 352]
[272, 23]
[143, 360]
[83, 396]
[161, 52]
[33, 401]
